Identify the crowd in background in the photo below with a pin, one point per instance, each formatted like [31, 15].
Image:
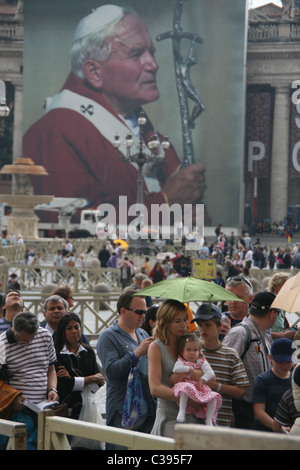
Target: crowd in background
[149, 332]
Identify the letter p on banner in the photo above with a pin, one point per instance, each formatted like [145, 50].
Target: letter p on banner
[253, 154]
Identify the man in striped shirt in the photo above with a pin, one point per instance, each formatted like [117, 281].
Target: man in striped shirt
[286, 413]
[231, 378]
[251, 340]
[27, 358]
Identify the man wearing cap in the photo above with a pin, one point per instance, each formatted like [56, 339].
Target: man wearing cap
[231, 378]
[252, 342]
[113, 74]
[270, 386]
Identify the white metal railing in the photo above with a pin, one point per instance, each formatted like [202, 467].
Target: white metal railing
[16, 432]
[195, 437]
[53, 431]
[96, 311]
[34, 278]
[48, 247]
[82, 280]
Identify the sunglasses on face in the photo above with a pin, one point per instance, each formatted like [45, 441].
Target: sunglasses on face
[138, 312]
[276, 310]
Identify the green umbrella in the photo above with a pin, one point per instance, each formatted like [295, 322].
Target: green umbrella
[188, 289]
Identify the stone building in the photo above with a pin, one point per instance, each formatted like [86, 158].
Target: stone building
[272, 135]
[11, 72]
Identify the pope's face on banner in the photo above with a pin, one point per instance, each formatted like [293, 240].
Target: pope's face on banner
[128, 76]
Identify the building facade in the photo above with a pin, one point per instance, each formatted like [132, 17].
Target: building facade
[272, 136]
[11, 72]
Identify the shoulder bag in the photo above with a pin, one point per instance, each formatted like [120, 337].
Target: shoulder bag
[135, 410]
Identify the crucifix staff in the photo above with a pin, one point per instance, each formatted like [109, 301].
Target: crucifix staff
[184, 84]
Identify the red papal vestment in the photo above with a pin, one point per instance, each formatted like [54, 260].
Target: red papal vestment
[81, 162]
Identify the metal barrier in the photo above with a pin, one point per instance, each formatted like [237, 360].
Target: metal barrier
[34, 278]
[195, 437]
[186, 437]
[261, 274]
[53, 431]
[48, 247]
[96, 311]
[16, 432]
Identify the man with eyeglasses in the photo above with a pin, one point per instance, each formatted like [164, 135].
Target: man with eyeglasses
[237, 311]
[253, 343]
[115, 348]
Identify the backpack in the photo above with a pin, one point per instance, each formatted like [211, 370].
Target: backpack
[249, 340]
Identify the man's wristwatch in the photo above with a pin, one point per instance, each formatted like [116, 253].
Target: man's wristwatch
[52, 389]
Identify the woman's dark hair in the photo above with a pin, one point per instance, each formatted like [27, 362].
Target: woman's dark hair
[149, 315]
[60, 335]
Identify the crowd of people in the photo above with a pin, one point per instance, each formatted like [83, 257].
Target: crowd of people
[234, 367]
[234, 254]
[233, 370]
[223, 365]
[245, 252]
[285, 228]
[50, 361]
[248, 344]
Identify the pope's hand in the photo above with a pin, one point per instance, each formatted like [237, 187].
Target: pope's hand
[186, 186]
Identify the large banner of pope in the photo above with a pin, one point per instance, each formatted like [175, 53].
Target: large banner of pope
[92, 70]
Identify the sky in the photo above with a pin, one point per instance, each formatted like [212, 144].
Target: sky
[259, 3]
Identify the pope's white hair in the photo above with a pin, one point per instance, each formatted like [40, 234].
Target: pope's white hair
[95, 46]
